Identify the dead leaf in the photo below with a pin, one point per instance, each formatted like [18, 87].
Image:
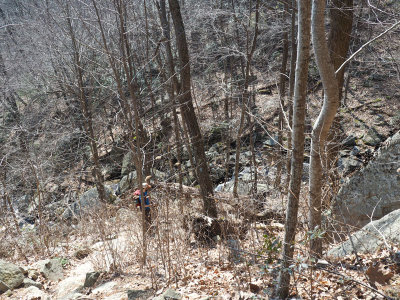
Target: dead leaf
[375, 275]
[254, 288]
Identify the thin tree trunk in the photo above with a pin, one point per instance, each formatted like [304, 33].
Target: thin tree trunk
[299, 109]
[341, 17]
[87, 114]
[282, 92]
[188, 113]
[245, 96]
[323, 122]
[293, 57]
[173, 88]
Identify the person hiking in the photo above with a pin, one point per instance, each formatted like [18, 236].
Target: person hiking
[147, 204]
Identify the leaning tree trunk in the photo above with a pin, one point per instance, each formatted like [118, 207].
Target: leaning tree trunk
[188, 113]
[299, 110]
[172, 88]
[324, 121]
[341, 16]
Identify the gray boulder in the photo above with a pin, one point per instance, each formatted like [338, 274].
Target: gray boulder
[350, 141]
[348, 165]
[51, 269]
[139, 294]
[87, 201]
[372, 138]
[127, 163]
[21, 204]
[380, 233]
[127, 182]
[170, 294]
[373, 191]
[11, 275]
[91, 279]
[29, 282]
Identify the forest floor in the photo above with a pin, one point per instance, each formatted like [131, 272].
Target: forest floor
[245, 266]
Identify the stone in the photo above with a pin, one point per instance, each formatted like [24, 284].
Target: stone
[349, 142]
[138, 294]
[271, 141]
[170, 294]
[72, 285]
[11, 275]
[29, 282]
[32, 293]
[88, 200]
[355, 151]
[127, 164]
[372, 192]
[215, 135]
[244, 187]
[127, 182]
[348, 165]
[161, 176]
[372, 138]
[376, 234]
[51, 269]
[3, 287]
[21, 204]
[91, 279]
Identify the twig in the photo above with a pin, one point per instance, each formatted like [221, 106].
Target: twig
[366, 44]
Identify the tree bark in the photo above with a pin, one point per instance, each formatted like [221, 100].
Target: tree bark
[324, 121]
[341, 19]
[172, 88]
[188, 113]
[293, 57]
[282, 92]
[299, 108]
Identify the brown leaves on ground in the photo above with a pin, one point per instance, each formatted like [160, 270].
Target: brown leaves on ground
[375, 275]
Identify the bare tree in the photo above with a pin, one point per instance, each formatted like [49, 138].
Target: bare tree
[299, 109]
[250, 48]
[324, 121]
[188, 114]
[86, 110]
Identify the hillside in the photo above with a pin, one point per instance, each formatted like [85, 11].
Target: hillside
[91, 105]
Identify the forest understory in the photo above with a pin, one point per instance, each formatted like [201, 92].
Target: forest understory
[197, 99]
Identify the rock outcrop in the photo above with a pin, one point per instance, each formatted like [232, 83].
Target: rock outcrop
[374, 191]
[379, 233]
[11, 276]
[87, 201]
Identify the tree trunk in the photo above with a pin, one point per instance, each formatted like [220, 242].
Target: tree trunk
[341, 19]
[282, 91]
[293, 56]
[245, 96]
[188, 113]
[323, 122]
[87, 114]
[299, 108]
[172, 88]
